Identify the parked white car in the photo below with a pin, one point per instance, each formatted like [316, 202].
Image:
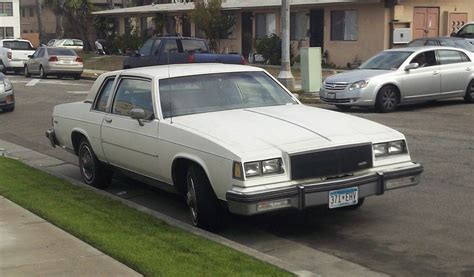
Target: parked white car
[403, 75]
[74, 44]
[229, 136]
[14, 53]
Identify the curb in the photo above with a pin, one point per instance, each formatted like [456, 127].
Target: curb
[169, 220]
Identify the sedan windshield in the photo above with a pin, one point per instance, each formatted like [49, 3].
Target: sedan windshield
[219, 92]
[388, 60]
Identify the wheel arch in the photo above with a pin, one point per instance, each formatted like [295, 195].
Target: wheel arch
[179, 167]
[76, 136]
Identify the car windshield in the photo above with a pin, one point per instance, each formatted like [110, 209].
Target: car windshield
[218, 92]
[17, 45]
[416, 43]
[388, 60]
[464, 44]
[61, 52]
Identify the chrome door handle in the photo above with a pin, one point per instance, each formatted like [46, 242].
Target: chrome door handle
[108, 120]
[435, 73]
[468, 69]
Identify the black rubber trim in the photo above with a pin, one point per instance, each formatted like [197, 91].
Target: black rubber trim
[249, 198]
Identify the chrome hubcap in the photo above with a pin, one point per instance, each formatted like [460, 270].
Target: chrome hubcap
[389, 99]
[87, 163]
[191, 200]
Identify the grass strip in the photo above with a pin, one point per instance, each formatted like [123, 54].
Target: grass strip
[136, 239]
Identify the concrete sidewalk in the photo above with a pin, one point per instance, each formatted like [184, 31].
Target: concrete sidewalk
[31, 246]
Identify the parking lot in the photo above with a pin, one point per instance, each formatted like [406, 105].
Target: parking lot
[420, 231]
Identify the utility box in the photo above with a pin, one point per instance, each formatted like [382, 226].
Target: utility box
[401, 35]
[311, 70]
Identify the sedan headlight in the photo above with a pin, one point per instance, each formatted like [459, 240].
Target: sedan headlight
[8, 84]
[258, 168]
[389, 148]
[359, 85]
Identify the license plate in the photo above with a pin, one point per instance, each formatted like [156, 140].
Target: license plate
[343, 197]
[331, 95]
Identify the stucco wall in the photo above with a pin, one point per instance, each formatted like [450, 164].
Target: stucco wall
[12, 21]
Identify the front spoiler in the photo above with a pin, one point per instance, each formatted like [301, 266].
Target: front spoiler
[308, 195]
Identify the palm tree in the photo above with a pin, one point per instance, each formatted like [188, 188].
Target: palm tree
[39, 12]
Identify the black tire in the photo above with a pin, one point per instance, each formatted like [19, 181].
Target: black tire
[2, 68]
[27, 72]
[387, 100]
[360, 202]
[77, 76]
[469, 96]
[93, 172]
[201, 200]
[42, 74]
[343, 107]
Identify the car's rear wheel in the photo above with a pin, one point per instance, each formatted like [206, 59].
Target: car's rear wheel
[343, 107]
[201, 200]
[93, 172]
[387, 99]
[42, 74]
[27, 72]
[469, 96]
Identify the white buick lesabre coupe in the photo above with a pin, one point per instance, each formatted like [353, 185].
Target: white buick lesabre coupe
[228, 137]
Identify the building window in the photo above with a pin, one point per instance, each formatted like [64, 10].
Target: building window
[6, 9]
[170, 25]
[265, 24]
[32, 12]
[6, 32]
[344, 25]
[298, 25]
[22, 11]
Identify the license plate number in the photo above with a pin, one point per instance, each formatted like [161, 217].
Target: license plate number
[343, 197]
[331, 95]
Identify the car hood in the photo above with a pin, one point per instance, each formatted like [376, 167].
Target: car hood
[289, 128]
[355, 75]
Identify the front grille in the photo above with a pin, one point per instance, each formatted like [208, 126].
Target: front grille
[329, 100]
[335, 86]
[331, 162]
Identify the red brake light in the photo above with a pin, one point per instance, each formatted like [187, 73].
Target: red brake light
[79, 60]
[9, 55]
[191, 58]
[53, 59]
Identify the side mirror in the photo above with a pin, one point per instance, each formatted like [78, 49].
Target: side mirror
[453, 34]
[30, 56]
[411, 66]
[139, 115]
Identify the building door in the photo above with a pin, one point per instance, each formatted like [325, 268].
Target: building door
[425, 22]
[316, 26]
[246, 33]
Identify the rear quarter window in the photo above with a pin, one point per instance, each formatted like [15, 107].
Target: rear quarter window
[194, 46]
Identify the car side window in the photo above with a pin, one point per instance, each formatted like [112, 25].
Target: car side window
[104, 94]
[68, 43]
[450, 57]
[425, 59]
[35, 54]
[40, 53]
[146, 48]
[171, 46]
[133, 94]
[156, 47]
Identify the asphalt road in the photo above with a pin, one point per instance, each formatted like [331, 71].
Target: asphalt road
[426, 230]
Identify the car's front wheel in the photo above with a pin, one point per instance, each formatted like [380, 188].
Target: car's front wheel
[27, 72]
[469, 96]
[201, 200]
[93, 172]
[387, 99]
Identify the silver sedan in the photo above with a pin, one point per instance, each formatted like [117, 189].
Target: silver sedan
[7, 97]
[404, 75]
[54, 61]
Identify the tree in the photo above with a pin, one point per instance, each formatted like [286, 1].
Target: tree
[39, 12]
[58, 7]
[79, 14]
[208, 17]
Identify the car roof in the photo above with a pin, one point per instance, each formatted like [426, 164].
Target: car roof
[172, 71]
[423, 48]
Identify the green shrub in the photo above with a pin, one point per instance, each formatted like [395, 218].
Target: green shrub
[270, 48]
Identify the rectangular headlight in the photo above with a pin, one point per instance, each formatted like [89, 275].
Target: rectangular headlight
[396, 147]
[380, 149]
[253, 169]
[271, 166]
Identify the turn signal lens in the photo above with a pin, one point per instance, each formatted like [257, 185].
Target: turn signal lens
[237, 171]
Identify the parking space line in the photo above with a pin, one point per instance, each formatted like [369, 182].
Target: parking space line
[78, 91]
[32, 83]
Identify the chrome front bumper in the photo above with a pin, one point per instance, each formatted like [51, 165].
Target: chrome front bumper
[51, 135]
[309, 195]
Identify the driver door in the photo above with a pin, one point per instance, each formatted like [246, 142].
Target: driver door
[126, 144]
[423, 82]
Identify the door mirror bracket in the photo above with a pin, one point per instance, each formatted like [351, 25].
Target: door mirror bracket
[139, 115]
